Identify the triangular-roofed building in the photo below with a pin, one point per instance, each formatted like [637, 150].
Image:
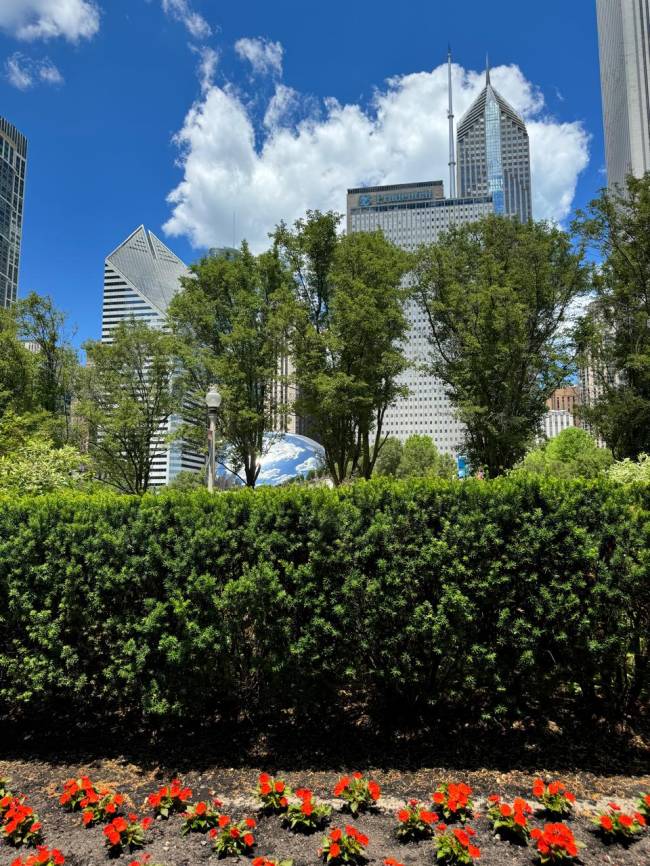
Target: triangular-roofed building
[494, 154]
[141, 276]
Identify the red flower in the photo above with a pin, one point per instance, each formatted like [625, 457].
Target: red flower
[249, 839]
[250, 822]
[279, 787]
[403, 815]
[606, 822]
[336, 834]
[201, 808]
[224, 820]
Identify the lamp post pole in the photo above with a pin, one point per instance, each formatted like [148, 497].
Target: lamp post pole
[212, 401]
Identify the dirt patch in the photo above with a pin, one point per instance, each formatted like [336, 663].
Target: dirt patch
[39, 780]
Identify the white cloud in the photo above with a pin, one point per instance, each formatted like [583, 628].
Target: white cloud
[208, 62]
[49, 19]
[180, 10]
[23, 72]
[402, 136]
[263, 55]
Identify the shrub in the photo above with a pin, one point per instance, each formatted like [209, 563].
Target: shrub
[306, 815]
[486, 599]
[617, 826]
[554, 797]
[232, 838]
[101, 806]
[358, 794]
[644, 805]
[415, 822]
[454, 800]
[344, 847]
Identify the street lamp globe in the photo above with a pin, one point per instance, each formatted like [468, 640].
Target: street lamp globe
[213, 399]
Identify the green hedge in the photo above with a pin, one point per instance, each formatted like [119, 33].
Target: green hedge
[495, 598]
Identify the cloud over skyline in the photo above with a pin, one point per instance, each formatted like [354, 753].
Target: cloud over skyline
[305, 153]
[31, 20]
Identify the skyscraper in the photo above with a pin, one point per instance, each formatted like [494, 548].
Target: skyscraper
[494, 154]
[13, 160]
[411, 215]
[141, 277]
[624, 43]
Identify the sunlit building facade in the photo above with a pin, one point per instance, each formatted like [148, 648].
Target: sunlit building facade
[141, 276]
[411, 215]
[624, 43]
[13, 166]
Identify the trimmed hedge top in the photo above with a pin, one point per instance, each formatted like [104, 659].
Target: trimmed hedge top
[500, 597]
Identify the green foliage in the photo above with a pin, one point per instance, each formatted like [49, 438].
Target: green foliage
[496, 294]
[614, 337]
[494, 599]
[571, 454]
[129, 393]
[417, 458]
[629, 471]
[38, 467]
[230, 323]
[389, 457]
[16, 367]
[347, 340]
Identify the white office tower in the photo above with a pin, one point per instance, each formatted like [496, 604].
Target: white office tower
[141, 277]
[410, 215]
[624, 43]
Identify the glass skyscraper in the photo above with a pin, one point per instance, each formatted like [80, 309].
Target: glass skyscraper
[493, 154]
[624, 41]
[13, 160]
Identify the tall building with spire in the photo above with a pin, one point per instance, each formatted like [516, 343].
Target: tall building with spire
[624, 43]
[494, 154]
[141, 276]
[13, 163]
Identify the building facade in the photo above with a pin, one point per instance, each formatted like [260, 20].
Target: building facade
[141, 276]
[624, 48]
[411, 215]
[13, 165]
[493, 154]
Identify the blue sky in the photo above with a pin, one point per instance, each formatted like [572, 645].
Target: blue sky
[283, 120]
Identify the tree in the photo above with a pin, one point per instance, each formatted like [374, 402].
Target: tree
[629, 471]
[55, 361]
[230, 323]
[421, 458]
[614, 336]
[389, 457]
[496, 295]
[16, 367]
[347, 341]
[129, 393]
[574, 453]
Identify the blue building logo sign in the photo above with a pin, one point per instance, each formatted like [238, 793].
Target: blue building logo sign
[368, 200]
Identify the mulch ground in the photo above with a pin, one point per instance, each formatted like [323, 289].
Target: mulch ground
[39, 779]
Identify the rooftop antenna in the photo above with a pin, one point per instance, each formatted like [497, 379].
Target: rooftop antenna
[487, 69]
[452, 141]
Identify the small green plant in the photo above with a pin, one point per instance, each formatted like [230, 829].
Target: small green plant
[273, 794]
[644, 805]
[510, 821]
[201, 817]
[232, 838]
[554, 797]
[616, 826]
[555, 844]
[307, 815]
[126, 833]
[358, 794]
[454, 800]
[344, 847]
[21, 825]
[169, 798]
[415, 822]
[455, 847]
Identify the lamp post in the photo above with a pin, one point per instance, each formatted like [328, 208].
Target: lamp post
[212, 401]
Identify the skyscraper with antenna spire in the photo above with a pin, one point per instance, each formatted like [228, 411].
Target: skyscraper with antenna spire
[452, 135]
[494, 153]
